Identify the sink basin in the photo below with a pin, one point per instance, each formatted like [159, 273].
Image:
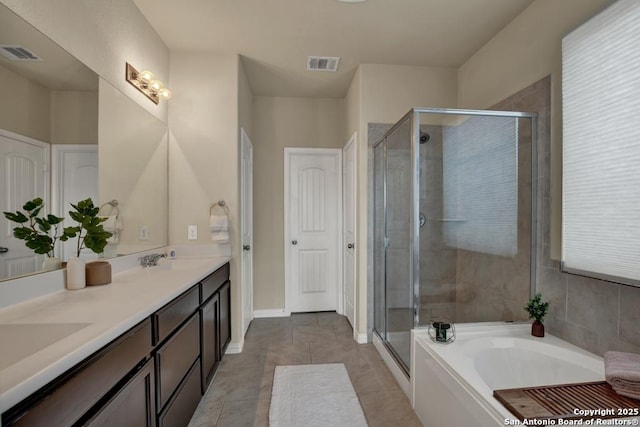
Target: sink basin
[20, 340]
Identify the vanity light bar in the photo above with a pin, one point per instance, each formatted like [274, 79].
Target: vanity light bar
[143, 81]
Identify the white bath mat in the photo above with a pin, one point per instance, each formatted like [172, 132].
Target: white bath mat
[314, 396]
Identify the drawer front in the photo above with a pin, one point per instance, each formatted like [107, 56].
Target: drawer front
[78, 390]
[181, 408]
[175, 357]
[173, 314]
[134, 405]
[214, 281]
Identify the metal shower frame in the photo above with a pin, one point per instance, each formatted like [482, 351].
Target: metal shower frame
[414, 117]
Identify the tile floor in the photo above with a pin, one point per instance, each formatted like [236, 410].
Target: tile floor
[240, 393]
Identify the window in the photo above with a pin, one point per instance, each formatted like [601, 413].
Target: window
[601, 146]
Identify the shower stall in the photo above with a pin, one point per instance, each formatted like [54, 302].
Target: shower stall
[454, 221]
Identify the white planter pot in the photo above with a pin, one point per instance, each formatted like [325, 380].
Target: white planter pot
[76, 276]
[50, 264]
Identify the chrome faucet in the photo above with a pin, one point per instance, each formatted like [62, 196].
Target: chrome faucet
[151, 259]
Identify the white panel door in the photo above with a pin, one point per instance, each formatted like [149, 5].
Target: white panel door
[246, 228]
[349, 224]
[75, 178]
[312, 229]
[23, 168]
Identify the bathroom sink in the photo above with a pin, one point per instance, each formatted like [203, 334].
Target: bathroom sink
[20, 340]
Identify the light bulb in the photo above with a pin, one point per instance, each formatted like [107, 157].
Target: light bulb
[155, 85]
[164, 93]
[145, 76]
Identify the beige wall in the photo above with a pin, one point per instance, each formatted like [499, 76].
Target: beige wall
[526, 50]
[132, 156]
[103, 35]
[278, 123]
[203, 153]
[245, 100]
[74, 117]
[25, 107]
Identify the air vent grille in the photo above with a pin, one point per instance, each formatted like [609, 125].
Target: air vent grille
[323, 63]
[18, 53]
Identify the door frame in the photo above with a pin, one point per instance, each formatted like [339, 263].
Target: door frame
[288, 152]
[351, 143]
[247, 288]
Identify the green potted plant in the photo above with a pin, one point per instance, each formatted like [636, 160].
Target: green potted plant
[40, 232]
[537, 310]
[91, 235]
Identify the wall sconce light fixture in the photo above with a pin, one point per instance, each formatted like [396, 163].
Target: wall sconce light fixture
[144, 81]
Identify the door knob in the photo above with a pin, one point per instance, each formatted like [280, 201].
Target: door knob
[3, 250]
[294, 242]
[246, 247]
[350, 245]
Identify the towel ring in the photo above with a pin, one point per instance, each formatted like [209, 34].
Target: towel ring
[221, 204]
[114, 205]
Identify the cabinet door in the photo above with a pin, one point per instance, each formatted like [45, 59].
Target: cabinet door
[134, 405]
[225, 317]
[209, 339]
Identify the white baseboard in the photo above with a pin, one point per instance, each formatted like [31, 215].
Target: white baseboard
[360, 338]
[398, 374]
[234, 348]
[271, 312]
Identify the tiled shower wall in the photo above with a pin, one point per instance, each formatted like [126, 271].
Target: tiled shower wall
[593, 314]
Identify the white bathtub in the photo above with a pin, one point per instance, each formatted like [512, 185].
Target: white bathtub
[453, 384]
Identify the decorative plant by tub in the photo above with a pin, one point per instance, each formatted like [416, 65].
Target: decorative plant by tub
[90, 232]
[40, 232]
[537, 310]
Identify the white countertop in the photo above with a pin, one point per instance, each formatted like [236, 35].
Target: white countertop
[108, 311]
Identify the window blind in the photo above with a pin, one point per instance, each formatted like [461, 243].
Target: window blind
[601, 145]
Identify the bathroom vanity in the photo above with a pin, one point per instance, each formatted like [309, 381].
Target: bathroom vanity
[140, 351]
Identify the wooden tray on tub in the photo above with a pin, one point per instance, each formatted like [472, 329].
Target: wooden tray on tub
[564, 400]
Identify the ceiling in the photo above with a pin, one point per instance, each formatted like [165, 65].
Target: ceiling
[58, 69]
[275, 37]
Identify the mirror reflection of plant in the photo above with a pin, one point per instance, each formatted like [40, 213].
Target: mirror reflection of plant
[39, 233]
[90, 232]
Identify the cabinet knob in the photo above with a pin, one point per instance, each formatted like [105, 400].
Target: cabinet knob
[350, 245]
[3, 250]
[246, 247]
[294, 242]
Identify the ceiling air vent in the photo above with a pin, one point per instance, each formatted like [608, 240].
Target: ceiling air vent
[18, 53]
[323, 63]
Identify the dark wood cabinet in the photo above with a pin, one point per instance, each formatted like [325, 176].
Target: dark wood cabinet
[169, 317]
[225, 317]
[68, 398]
[209, 340]
[183, 403]
[152, 375]
[215, 325]
[133, 406]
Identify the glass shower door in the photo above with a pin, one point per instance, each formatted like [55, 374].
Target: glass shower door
[398, 253]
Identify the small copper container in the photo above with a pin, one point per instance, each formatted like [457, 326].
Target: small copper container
[98, 273]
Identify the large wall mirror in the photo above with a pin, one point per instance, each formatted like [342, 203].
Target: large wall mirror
[65, 135]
